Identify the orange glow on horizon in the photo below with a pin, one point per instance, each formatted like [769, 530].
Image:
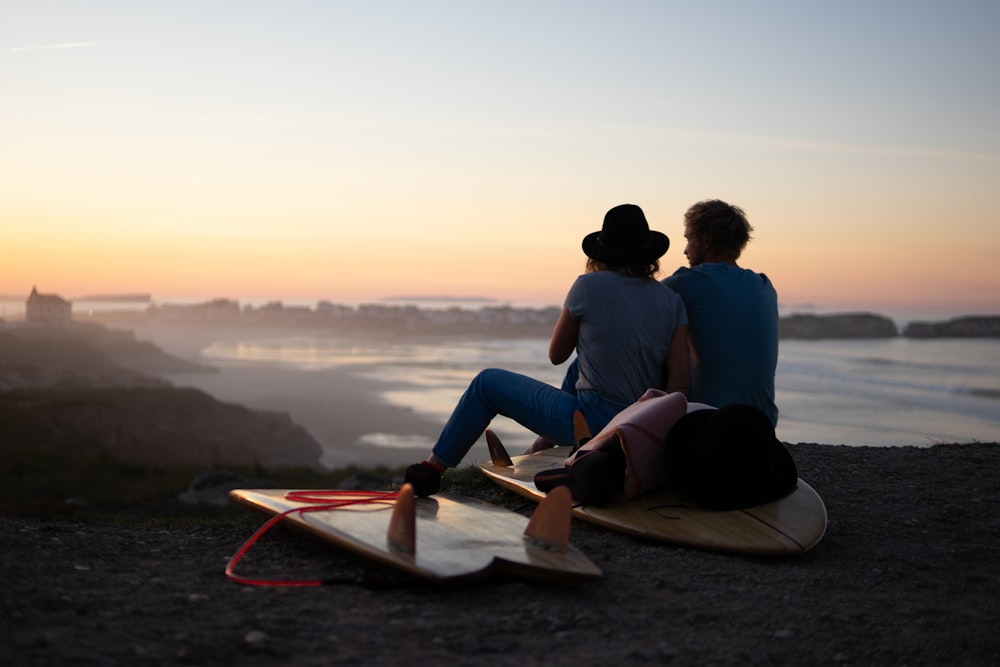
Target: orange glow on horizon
[371, 165]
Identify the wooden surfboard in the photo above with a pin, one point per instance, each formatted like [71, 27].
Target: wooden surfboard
[441, 539]
[791, 525]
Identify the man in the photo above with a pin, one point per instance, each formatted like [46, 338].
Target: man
[733, 312]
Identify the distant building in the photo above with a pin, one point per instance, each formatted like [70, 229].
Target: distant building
[47, 309]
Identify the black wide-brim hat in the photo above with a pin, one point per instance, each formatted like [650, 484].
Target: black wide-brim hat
[625, 239]
[728, 458]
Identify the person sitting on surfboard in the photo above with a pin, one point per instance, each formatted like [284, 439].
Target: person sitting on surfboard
[629, 332]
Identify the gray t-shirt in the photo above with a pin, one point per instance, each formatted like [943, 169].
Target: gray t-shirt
[626, 325]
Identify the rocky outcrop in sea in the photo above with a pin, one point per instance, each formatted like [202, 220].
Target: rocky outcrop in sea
[844, 325]
[960, 327]
[870, 325]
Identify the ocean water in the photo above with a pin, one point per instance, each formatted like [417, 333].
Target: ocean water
[896, 391]
[887, 392]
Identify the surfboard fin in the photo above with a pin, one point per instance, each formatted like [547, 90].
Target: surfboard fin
[581, 432]
[402, 533]
[498, 454]
[549, 525]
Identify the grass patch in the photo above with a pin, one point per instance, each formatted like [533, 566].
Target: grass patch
[99, 488]
[46, 482]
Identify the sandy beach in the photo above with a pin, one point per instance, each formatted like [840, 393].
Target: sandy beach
[337, 406]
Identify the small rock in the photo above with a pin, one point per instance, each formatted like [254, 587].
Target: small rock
[255, 637]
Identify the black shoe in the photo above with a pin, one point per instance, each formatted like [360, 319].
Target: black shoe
[546, 480]
[425, 480]
[600, 475]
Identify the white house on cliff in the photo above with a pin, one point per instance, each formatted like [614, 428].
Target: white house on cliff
[47, 309]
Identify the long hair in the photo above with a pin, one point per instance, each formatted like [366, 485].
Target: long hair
[647, 271]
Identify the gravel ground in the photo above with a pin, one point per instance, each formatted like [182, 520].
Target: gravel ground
[907, 574]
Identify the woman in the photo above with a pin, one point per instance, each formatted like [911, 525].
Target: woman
[629, 332]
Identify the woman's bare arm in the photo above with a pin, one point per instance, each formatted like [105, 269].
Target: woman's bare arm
[563, 337]
[678, 371]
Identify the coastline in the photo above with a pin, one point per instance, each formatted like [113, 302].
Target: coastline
[339, 405]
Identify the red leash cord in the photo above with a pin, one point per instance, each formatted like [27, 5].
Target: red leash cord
[319, 501]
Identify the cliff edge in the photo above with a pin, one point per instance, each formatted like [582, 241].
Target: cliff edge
[85, 392]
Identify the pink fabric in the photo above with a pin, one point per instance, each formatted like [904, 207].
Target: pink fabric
[641, 428]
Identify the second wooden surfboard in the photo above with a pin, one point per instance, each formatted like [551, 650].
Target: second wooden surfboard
[791, 525]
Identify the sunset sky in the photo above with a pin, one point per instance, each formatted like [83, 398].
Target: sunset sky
[353, 150]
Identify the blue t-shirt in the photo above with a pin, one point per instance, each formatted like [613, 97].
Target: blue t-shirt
[733, 314]
[626, 325]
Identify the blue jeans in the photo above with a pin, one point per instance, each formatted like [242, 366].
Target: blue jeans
[535, 405]
[572, 375]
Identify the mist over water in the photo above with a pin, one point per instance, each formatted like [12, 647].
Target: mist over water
[426, 378]
[887, 392]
